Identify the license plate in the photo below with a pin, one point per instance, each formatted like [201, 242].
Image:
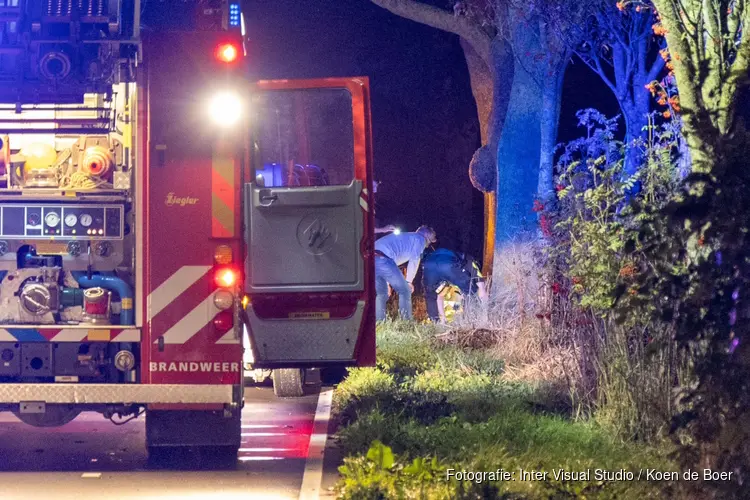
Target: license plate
[310, 315]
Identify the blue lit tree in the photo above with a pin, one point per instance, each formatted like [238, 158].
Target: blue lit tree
[516, 53]
[618, 43]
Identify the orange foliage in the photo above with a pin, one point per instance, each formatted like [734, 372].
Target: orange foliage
[674, 102]
[659, 30]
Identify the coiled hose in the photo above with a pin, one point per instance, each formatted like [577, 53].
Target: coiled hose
[79, 180]
[70, 178]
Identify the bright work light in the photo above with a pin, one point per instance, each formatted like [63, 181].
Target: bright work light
[225, 109]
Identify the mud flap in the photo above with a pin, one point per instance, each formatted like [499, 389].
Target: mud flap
[182, 428]
[192, 428]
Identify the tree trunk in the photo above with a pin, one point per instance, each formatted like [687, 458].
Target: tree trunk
[519, 146]
[635, 121]
[635, 109]
[482, 88]
[480, 77]
[491, 90]
[550, 120]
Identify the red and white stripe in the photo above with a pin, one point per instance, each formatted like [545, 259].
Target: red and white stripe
[95, 334]
[78, 335]
[173, 287]
[195, 320]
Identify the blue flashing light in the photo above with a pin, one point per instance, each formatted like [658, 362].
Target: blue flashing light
[234, 15]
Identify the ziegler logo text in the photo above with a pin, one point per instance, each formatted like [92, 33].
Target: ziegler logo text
[181, 201]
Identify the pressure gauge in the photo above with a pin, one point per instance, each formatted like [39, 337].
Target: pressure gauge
[86, 220]
[52, 219]
[71, 220]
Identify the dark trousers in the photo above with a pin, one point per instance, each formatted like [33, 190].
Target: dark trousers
[435, 273]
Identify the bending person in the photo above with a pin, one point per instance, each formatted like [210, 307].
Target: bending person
[391, 252]
[445, 267]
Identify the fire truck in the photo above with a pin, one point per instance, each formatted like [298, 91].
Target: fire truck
[156, 208]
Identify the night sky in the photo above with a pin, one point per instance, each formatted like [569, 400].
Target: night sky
[425, 127]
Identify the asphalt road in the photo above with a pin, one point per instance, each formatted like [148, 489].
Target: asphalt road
[92, 458]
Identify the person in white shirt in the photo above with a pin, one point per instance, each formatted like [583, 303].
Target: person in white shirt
[390, 252]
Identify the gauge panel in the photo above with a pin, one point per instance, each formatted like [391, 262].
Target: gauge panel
[51, 221]
[65, 221]
[33, 221]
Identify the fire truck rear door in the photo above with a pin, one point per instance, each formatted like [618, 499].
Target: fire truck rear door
[306, 214]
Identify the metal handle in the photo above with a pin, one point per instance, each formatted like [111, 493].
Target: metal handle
[266, 197]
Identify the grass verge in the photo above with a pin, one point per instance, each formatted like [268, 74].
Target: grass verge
[430, 406]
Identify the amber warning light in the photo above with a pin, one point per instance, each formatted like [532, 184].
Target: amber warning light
[227, 53]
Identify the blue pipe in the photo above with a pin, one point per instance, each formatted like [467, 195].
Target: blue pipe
[114, 283]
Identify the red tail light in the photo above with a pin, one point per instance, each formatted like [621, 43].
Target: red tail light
[224, 321]
[226, 277]
[227, 53]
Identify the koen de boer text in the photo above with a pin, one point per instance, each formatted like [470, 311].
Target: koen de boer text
[588, 475]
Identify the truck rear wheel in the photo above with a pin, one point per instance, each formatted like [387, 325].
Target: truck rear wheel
[289, 382]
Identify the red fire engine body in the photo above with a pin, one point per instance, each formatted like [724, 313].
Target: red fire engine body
[156, 209]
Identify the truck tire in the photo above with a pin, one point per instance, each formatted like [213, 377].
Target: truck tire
[289, 382]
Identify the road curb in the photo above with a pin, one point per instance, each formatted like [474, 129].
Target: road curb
[333, 458]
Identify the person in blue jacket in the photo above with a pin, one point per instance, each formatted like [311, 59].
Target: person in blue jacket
[446, 267]
[393, 251]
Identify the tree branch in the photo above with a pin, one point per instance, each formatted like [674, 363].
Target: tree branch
[442, 20]
[592, 60]
[656, 68]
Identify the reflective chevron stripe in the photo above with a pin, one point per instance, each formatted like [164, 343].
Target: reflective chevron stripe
[70, 335]
[229, 338]
[191, 323]
[128, 336]
[187, 326]
[173, 287]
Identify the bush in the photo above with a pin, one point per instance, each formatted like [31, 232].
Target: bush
[404, 428]
[706, 228]
[381, 474]
[627, 367]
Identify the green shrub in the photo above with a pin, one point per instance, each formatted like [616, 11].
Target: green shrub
[625, 352]
[370, 388]
[381, 474]
[461, 411]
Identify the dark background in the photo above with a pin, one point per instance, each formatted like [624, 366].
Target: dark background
[425, 128]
